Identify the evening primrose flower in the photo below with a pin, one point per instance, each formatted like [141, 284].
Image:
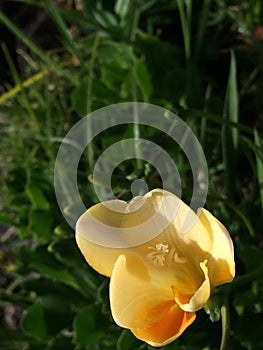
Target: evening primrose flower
[163, 261]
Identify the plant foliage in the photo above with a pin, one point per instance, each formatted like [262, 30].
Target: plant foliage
[201, 59]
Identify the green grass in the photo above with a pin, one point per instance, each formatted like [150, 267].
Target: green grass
[201, 60]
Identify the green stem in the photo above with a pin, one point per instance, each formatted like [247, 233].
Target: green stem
[225, 317]
[135, 22]
[135, 10]
[90, 78]
[136, 126]
[185, 17]
[185, 13]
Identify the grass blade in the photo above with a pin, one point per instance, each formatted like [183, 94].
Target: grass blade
[259, 161]
[230, 134]
[185, 17]
[202, 23]
[20, 86]
[27, 83]
[233, 98]
[26, 40]
[60, 24]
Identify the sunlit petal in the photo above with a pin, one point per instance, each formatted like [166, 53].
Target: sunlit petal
[111, 228]
[167, 329]
[184, 232]
[100, 258]
[221, 264]
[93, 226]
[163, 260]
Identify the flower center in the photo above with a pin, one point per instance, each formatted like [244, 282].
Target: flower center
[160, 252]
[158, 255]
[176, 258]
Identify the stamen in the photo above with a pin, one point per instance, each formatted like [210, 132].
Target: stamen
[162, 247]
[157, 257]
[180, 260]
[175, 258]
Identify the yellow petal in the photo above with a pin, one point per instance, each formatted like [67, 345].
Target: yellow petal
[136, 300]
[199, 298]
[100, 258]
[114, 227]
[94, 225]
[184, 231]
[166, 330]
[221, 263]
[111, 228]
[170, 222]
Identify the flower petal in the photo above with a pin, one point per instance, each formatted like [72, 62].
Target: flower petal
[111, 228]
[198, 300]
[166, 330]
[221, 263]
[100, 258]
[184, 231]
[96, 223]
[136, 301]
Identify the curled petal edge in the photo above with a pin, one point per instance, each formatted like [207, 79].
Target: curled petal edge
[200, 297]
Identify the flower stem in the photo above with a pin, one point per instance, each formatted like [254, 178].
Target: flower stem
[225, 316]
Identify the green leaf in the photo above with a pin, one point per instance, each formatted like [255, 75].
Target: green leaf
[87, 331]
[212, 308]
[113, 73]
[45, 263]
[59, 342]
[67, 253]
[34, 321]
[127, 341]
[121, 7]
[40, 222]
[251, 256]
[247, 331]
[143, 78]
[79, 98]
[7, 335]
[50, 287]
[36, 197]
[57, 303]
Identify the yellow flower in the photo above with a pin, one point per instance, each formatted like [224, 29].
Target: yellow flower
[163, 260]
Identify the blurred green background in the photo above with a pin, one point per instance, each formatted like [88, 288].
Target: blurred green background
[61, 60]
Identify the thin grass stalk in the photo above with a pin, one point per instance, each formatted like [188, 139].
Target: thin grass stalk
[60, 24]
[90, 79]
[201, 29]
[259, 162]
[185, 12]
[225, 317]
[134, 14]
[185, 17]
[229, 134]
[26, 83]
[27, 41]
[204, 119]
[18, 82]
